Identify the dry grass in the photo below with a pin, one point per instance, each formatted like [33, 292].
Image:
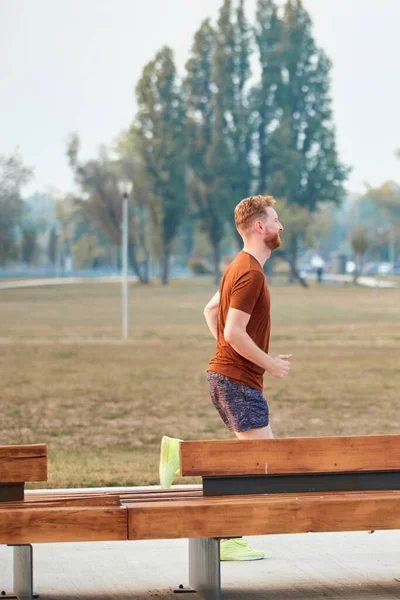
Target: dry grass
[102, 404]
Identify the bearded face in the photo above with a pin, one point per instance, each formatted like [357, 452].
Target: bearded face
[272, 241]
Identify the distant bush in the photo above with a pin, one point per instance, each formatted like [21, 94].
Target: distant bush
[199, 266]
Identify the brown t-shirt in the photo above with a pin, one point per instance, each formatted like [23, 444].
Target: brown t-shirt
[243, 286]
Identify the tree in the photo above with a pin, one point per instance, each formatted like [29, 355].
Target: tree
[360, 243]
[297, 222]
[14, 175]
[263, 101]
[98, 180]
[86, 251]
[198, 92]
[159, 125]
[100, 202]
[242, 131]
[133, 167]
[231, 133]
[387, 199]
[304, 167]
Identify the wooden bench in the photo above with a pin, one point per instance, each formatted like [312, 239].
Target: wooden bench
[289, 485]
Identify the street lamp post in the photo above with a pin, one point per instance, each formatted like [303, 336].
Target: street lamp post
[125, 188]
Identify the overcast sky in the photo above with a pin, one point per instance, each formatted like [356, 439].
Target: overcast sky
[72, 65]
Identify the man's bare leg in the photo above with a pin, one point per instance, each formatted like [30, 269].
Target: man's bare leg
[255, 434]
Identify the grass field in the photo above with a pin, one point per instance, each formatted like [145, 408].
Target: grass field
[102, 404]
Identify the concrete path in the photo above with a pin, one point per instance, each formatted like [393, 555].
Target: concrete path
[326, 566]
[6, 284]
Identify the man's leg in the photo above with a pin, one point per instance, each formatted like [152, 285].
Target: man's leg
[232, 402]
[255, 434]
[238, 547]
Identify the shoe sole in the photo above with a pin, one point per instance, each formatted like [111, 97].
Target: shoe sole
[242, 559]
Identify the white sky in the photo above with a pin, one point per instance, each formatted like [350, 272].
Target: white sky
[72, 65]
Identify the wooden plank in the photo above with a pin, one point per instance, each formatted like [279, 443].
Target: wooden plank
[23, 463]
[259, 515]
[290, 455]
[69, 501]
[66, 524]
[121, 492]
[150, 494]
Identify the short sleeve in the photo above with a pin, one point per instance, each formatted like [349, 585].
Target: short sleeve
[246, 291]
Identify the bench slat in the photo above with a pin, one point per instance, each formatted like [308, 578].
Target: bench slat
[65, 501]
[259, 515]
[23, 463]
[73, 524]
[290, 455]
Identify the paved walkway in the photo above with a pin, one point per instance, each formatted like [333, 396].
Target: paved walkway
[326, 566]
[6, 284]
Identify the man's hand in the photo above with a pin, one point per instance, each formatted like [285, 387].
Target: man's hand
[280, 366]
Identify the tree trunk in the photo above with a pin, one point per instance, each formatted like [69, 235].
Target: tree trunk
[269, 268]
[142, 276]
[146, 268]
[165, 266]
[217, 259]
[294, 272]
[358, 269]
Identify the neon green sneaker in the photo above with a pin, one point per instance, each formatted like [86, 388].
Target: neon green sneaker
[169, 461]
[238, 549]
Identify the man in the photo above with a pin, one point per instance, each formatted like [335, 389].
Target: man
[238, 316]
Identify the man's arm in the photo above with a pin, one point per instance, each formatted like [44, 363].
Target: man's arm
[211, 313]
[236, 335]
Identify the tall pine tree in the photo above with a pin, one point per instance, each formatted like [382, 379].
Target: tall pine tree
[263, 100]
[198, 91]
[160, 129]
[304, 166]
[230, 142]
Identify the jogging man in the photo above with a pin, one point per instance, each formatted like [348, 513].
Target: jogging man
[238, 316]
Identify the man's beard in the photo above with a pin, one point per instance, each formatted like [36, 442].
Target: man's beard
[272, 241]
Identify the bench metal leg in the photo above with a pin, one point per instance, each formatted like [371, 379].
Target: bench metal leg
[23, 572]
[204, 567]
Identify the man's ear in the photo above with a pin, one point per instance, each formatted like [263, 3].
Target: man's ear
[259, 225]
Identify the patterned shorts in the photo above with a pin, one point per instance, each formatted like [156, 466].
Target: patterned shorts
[240, 407]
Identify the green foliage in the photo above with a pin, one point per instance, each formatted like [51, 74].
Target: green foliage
[198, 266]
[360, 242]
[305, 168]
[86, 251]
[231, 133]
[217, 138]
[201, 182]
[263, 96]
[297, 223]
[387, 197]
[161, 144]
[30, 249]
[100, 200]
[14, 175]
[133, 167]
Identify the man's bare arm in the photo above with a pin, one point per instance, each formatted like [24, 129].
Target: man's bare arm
[211, 313]
[236, 335]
